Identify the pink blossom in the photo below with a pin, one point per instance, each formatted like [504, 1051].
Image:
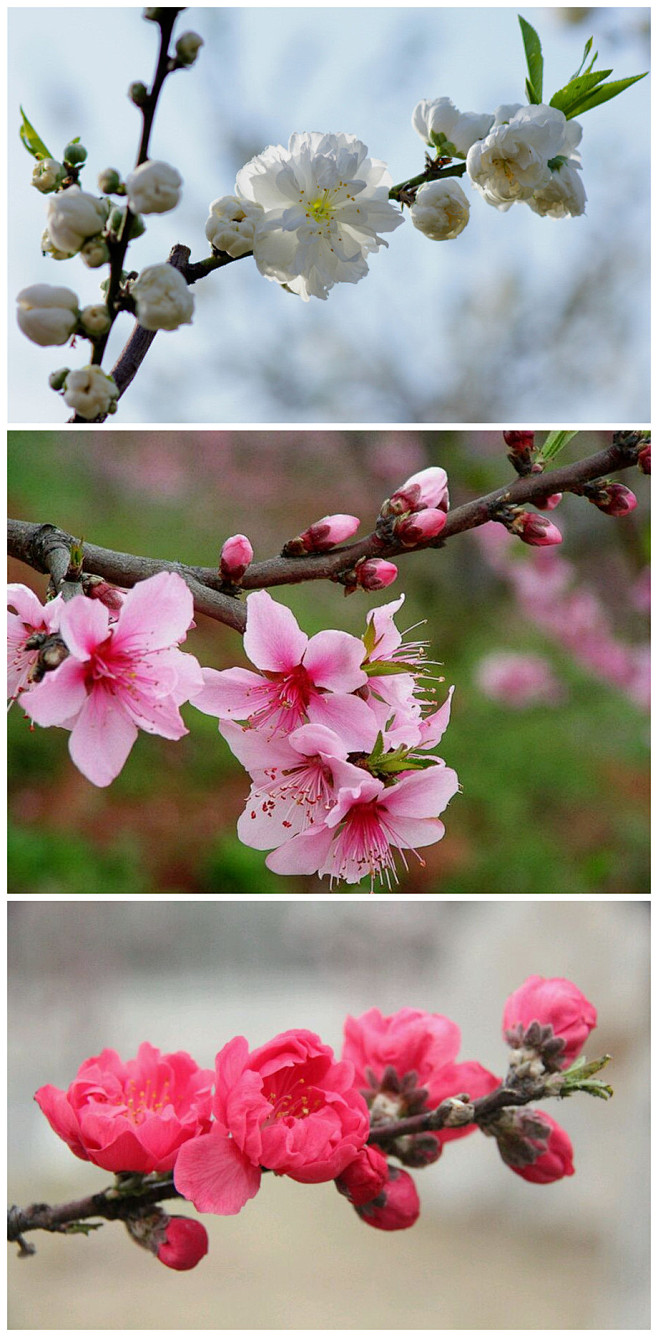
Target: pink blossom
[185, 1243]
[131, 1116]
[323, 535]
[300, 679]
[518, 680]
[364, 1177]
[287, 1107]
[374, 574]
[120, 676]
[235, 557]
[552, 1002]
[536, 530]
[368, 821]
[419, 527]
[30, 617]
[555, 1162]
[397, 1206]
[428, 488]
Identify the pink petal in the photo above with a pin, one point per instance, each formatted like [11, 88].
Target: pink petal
[433, 727]
[255, 751]
[155, 614]
[213, 1173]
[230, 693]
[387, 636]
[333, 660]
[59, 697]
[421, 793]
[348, 716]
[84, 624]
[302, 854]
[273, 640]
[101, 739]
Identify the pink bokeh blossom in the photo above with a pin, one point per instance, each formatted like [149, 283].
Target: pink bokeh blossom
[518, 680]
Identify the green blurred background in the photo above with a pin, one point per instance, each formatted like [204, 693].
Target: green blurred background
[554, 798]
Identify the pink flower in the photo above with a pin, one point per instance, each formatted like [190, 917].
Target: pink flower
[323, 535]
[287, 1107]
[131, 1116]
[428, 488]
[300, 680]
[405, 1064]
[120, 676]
[397, 1206]
[518, 680]
[551, 1002]
[555, 1162]
[419, 527]
[364, 1177]
[185, 1243]
[368, 821]
[235, 557]
[30, 617]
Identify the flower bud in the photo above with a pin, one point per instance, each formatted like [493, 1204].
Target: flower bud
[614, 499]
[419, 527]
[372, 573]
[95, 253]
[153, 188]
[185, 1244]
[425, 490]
[548, 503]
[187, 47]
[73, 216]
[364, 1177]
[138, 93]
[154, 15]
[109, 181]
[74, 155]
[644, 459]
[235, 557]
[47, 315]
[397, 1206]
[48, 248]
[95, 320]
[522, 442]
[94, 587]
[48, 175]
[323, 535]
[440, 210]
[556, 1003]
[90, 392]
[232, 225]
[555, 1159]
[447, 130]
[163, 298]
[535, 530]
[57, 379]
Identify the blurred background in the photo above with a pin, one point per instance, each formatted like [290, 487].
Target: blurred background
[490, 1250]
[551, 750]
[520, 318]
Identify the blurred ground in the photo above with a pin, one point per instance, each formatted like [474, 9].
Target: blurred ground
[490, 1251]
[554, 798]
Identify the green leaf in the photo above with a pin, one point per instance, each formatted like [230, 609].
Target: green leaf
[383, 669]
[369, 637]
[535, 60]
[603, 94]
[573, 93]
[554, 443]
[31, 140]
[588, 48]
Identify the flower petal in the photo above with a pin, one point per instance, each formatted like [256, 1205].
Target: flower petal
[273, 640]
[213, 1173]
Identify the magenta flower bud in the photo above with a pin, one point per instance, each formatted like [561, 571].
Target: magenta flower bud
[185, 1243]
[644, 459]
[551, 1002]
[323, 535]
[427, 489]
[519, 442]
[375, 574]
[554, 1162]
[397, 1207]
[235, 557]
[536, 530]
[548, 503]
[420, 527]
[614, 499]
[364, 1178]
[96, 588]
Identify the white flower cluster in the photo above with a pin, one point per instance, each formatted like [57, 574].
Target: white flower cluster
[311, 213]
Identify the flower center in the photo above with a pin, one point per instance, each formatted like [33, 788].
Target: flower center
[146, 1099]
[295, 1102]
[323, 207]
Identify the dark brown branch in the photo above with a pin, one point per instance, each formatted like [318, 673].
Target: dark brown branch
[108, 1204]
[484, 1109]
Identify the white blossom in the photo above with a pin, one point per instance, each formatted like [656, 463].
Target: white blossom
[73, 216]
[90, 392]
[47, 175]
[563, 196]
[511, 163]
[441, 209]
[442, 126]
[232, 225]
[47, 315]
[47, 248]
[324, 201]
[163, 298]
[153, 188]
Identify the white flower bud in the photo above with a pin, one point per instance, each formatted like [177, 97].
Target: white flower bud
[440, 125]
[90, 392]
[47, 248]
[95, 252]
[47, 175]
[163, 298]
[232, 225]
[441, 209]
[188, 46]
[47, 315]
[73, 216]
[153, 188]
[95, 320]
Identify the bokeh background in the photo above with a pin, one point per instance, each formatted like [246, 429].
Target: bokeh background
[520, 318]
[490, 1251]
[555, 792]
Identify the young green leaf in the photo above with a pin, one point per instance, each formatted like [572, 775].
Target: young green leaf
[534, 59]
[29, 137]
[588, 48]
[554, 443]
[603, 94]
[573, 93]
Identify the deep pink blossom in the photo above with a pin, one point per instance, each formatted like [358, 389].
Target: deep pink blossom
[552, 1002]
[120, 676]
[235, 557]
[300, 679]
[555, 1162]
[287, 1107]
[397, 1206]
[30, 617]
[131, 1116]
[185, 1243]
[364, 1177]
